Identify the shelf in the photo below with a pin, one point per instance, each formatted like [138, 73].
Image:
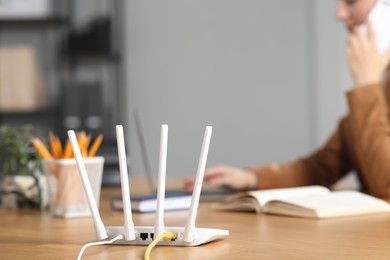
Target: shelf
[30, 22]
[42, 120]
[42, 112]
[76, 56]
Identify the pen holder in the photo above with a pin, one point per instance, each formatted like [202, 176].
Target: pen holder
[66, 192]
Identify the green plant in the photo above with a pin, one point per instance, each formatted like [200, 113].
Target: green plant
[17, 155]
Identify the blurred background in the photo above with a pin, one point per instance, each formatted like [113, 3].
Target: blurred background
[269, 76]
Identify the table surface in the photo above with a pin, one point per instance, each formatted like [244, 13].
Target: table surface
[35, 234]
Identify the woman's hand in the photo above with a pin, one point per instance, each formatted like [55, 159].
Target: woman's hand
[367, 65]
[226, 176]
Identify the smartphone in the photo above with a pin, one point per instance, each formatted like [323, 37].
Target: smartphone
[380, 19]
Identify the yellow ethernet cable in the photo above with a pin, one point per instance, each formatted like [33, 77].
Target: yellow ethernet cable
[165, 236]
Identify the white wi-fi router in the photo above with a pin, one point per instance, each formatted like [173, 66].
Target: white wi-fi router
[188, 235]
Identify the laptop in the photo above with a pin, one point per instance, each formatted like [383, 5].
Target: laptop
[207, 194]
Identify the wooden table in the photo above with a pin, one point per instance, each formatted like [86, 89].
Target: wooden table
[32, 234]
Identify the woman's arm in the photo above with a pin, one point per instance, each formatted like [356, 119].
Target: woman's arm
[370, 131]
[324, 167]
[369, 110]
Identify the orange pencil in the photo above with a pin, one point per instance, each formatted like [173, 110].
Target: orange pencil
[84, 152]
[55, 145]
[58, 147]
[95, 146]
[68, 153]
[83, 141]
[41, 148]
[51, 143]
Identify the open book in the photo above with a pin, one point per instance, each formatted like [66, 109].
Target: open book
[307, 202]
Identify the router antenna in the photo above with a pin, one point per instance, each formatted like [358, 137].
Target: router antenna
[129, 225]
[101, 232]
[190, 230]
[162, 167]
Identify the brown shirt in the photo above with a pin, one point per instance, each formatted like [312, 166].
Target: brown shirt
[361, 143]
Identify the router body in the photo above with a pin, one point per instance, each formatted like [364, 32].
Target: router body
[145, 235]
[188, 235]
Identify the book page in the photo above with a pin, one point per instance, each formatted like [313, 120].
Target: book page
[263, 196]
[339, 203]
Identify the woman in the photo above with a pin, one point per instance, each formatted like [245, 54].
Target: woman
[362, 140]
